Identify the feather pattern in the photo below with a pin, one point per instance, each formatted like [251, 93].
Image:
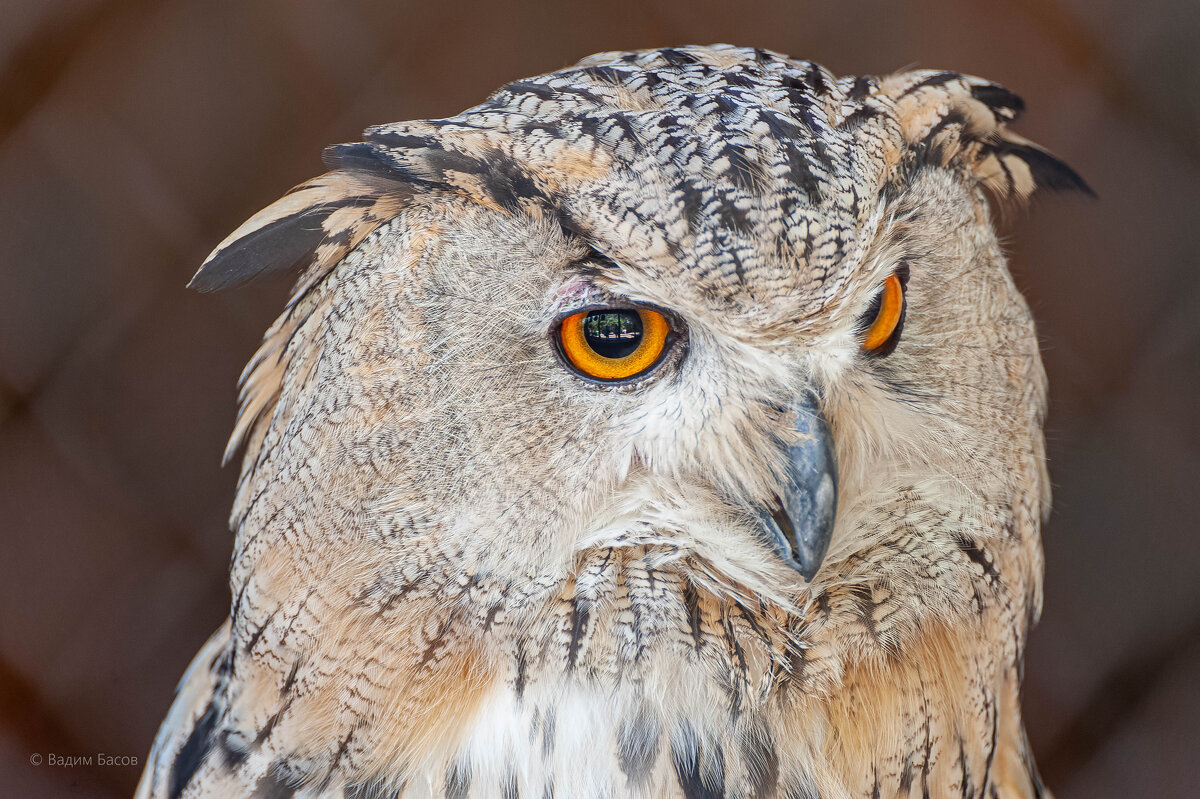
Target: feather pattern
[461, 571]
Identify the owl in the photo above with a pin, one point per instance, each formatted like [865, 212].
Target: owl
[665, 426]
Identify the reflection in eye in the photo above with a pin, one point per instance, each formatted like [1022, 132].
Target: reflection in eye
[613, 334]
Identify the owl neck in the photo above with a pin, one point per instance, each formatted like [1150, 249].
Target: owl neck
[626, 679]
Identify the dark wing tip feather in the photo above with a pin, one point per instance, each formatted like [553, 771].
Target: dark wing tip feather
[319, 222]
[315, 224]
[1049, 171]
[274, 247]
[947, 117]
[998, 98]
[357, 155]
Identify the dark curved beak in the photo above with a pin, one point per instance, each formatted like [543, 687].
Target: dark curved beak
[799, 523]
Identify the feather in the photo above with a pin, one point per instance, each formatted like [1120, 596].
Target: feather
[311, 227]
[946, 117]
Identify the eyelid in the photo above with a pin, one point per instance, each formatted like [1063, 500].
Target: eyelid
[607, 302]
[581, 295]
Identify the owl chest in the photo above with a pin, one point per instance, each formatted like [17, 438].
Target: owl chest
[587, 739]
[621, 704]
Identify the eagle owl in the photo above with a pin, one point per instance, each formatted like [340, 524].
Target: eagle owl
[665, 426]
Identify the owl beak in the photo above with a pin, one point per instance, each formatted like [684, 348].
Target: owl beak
[799, 523]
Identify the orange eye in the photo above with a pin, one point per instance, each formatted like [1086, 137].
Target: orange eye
[886, 317]
[613, 343]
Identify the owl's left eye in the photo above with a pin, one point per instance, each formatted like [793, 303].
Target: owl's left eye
[613, 343]
[884, 320]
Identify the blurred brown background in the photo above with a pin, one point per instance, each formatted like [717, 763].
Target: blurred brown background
[134, 135]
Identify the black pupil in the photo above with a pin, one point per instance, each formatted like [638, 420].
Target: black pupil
[613, 334]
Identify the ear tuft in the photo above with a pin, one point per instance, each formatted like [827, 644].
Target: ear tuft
[314, 225]
[1046, 170]
[949, 118]
[1003, 102]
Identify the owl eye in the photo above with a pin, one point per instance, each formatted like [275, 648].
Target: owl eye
[884, 320]
[613, 343]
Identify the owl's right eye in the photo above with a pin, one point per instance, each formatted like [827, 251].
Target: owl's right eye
[613, 344]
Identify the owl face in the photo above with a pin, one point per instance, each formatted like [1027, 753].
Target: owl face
[711, 298]
[689, 367]
[465, 375]
[748, 243]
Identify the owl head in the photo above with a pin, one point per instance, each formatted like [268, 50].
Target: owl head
[709, 305]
